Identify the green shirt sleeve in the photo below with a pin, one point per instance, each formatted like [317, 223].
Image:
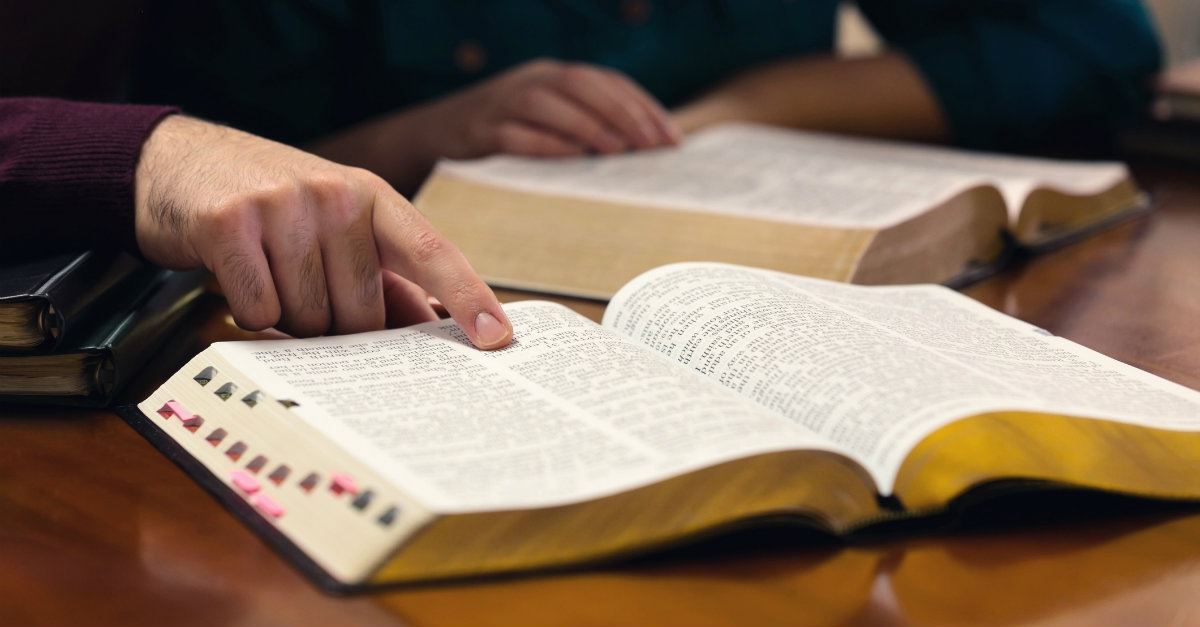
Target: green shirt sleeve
[1018, 73]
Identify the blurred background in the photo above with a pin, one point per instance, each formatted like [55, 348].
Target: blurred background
[1173, 130]
[1178, 22]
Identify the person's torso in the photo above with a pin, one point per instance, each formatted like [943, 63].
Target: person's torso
[299, 69]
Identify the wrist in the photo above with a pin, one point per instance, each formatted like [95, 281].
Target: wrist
[146, 166]
[158, 214]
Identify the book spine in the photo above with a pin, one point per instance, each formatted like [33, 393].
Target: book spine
[77, 294]
[131, 343]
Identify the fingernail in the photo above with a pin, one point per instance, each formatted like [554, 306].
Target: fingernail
[489, 330]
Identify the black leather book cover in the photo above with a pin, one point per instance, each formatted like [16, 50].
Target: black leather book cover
[70, 291]
[119, 344]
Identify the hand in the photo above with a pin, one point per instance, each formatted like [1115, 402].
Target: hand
[548, 108]
[541, 108]
[297, 242]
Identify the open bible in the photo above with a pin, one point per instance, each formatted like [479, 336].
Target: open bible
[711, 396]
[833, 207]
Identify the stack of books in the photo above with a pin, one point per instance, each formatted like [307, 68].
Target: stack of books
[75, 327]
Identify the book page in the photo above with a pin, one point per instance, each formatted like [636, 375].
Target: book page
[876, 369]
[569, 411]
[794, 176]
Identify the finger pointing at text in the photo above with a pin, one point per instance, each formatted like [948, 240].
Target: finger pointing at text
[297, 242]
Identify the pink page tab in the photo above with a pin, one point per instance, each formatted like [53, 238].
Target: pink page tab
[267, 505]
[174, 408]
[245, 481]
[342, 482]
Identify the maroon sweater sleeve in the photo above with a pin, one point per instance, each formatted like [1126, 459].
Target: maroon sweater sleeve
[66, 173]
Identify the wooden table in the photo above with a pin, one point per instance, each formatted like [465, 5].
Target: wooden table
[97, 528]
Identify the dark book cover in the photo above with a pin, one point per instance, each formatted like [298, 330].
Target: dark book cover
[49, 299]
[102, 359]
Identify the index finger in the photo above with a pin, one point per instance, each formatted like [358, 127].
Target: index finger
[411, 247]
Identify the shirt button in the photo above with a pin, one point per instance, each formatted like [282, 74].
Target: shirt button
[470, 57]
[635, 12]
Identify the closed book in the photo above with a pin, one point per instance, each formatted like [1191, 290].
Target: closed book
[92, 364]
[44, 300]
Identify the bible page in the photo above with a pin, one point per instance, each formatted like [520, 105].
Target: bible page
[569, 411]
[792, 176]
[876, 369]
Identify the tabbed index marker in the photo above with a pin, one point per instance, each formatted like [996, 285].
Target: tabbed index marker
[205, 376]
[225, 391]
[341, 482]
[267, 505]
[174, 408]
[245, 481]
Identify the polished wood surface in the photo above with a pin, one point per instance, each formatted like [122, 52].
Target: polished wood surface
[97, 528]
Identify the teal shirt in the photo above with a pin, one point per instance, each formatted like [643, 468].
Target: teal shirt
[1008, 73]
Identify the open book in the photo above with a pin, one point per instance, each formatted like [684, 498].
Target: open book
[832, 207]
[712, 395]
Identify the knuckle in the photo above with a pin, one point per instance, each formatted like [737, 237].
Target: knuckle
[328, 185]
[403, 210]
[254, 320]
[280, 194]
[462, 291]
[543, 65]
[428, 246]
[230, 215]
[617, 76]
[338, 203]
[613, 73]
[309, 324]
[575, 74]
[249, 301]
[530, 99]
[363, 178]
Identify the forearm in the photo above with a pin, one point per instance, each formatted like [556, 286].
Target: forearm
[67, 173]
[880, 96]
